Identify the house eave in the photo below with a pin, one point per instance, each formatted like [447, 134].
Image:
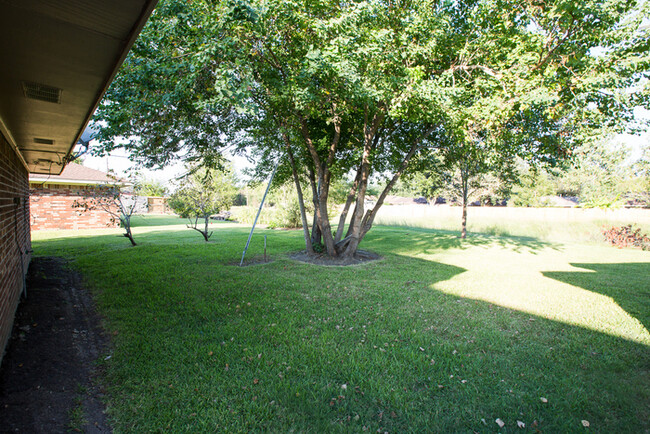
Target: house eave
[71, 51]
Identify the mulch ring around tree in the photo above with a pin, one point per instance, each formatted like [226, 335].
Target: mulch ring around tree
[48, 373]
[361, 257]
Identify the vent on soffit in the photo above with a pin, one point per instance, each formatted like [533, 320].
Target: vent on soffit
[40, 141]
[42, 92]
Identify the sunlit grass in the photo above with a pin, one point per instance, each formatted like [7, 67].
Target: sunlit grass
[508, 272]
[441, 335]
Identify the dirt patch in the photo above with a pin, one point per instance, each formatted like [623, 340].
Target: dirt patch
[47, 377]
[361, 257]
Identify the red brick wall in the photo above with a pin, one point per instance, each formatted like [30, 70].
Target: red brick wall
[52, 209]
[15, 241]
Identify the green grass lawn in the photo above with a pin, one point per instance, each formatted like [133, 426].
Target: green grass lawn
[441, 335]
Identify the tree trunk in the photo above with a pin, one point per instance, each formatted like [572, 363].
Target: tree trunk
[126, 221]
[205, 232]
[465, 187]
[463, 232]
[195, 225]
[315, 228]
[301, 201]
[354, 213]
[324, 222]
[346, 208]
[316, 234]
[369, 218]
[354, 232]
[323, 176]
[129, 235]
[370, 141]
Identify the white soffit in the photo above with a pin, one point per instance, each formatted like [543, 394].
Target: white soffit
[58, 59]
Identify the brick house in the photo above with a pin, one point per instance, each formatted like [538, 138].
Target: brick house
[58, 59]
[52, 198]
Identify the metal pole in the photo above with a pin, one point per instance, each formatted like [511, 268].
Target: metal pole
[265, 248]
[258, 214]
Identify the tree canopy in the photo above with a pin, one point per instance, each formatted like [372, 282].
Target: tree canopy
[330, 89]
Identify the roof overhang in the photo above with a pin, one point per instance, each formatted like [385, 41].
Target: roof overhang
[44, 180]
[59, 58]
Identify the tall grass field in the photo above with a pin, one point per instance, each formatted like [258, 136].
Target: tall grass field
[494, 333]
[550, 224]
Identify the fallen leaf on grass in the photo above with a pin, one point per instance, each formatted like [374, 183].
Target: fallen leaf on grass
[520, 424]
[585, 423]
[500, 423]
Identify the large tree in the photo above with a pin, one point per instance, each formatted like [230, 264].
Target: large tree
[363, 87]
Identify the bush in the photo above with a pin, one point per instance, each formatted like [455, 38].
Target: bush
[246, 214]
[278, 216]
[287, 216]
[627, 236]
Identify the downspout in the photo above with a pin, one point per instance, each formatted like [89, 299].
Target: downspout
[17, 201]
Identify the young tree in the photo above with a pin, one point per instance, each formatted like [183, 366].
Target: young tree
[111, 200]
[326, 87]
[465, 170]
[203, 193]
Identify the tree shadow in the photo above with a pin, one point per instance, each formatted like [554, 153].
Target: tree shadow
[627, 283]
[429, 240]
[512, 358]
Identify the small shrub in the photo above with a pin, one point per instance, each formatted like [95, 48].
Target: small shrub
[246, 215]
[287, 216]
[626, 236]
[318, 247]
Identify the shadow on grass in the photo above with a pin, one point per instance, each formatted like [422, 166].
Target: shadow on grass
[430, 240]
[627, 283]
